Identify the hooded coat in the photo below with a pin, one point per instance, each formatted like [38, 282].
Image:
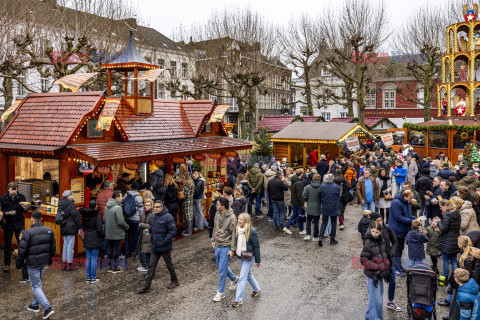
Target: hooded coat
[374, 257]
[115, 224]
[468, 219]
[311, 195]
[415, 240]
[467, 181]
[72, 219]
[93, 227]
[467, 299]
[450, 228]
[330, 196]
[163, 230]
[297, 190]
[255, 179]
[269, 174]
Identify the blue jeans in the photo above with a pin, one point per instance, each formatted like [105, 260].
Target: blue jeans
[449, 258]
[105, 245]
[91, 263]
[258, 200]
[270, 206]
[245, 274]
[35, 274]
[131, 235]
[223, 260]
[399, 187]
[294, 218]
[375, 300]
[414, 262]
[68, 244]
[279, 212]
[391, 285]
[328, 229]
[368, 206]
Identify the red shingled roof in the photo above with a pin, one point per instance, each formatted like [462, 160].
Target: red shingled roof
[49, 119]
[278, 123]
[145, 149]
[197, 111]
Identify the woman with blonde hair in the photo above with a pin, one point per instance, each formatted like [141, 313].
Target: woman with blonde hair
[248, 250]
[188, 189]
[239, 201]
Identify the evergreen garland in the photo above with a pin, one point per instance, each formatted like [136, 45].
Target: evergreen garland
[298, 118]
[440, 127]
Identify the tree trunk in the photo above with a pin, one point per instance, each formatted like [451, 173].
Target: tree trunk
[252, 106]
[427, 99]
[349, 101]
[7, 90]
[242, 127]
[308, 88]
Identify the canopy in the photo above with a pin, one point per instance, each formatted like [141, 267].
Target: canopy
[75, 81]
[321, 132]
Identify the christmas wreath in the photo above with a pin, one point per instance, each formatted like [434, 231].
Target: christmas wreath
[464, 135]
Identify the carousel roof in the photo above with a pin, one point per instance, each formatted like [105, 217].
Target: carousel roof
[130, 54]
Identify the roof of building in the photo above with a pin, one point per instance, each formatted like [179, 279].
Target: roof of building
[130, 53]
[369, 122]
[277, 123]
[118, 151]
[315, 131]
[49, 119]
[446, 122]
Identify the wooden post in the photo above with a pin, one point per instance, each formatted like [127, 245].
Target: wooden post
[64, 172]
[304, 156]
[3, 173]
[126, 83]
[427, 143]
[169, 165]
[11, 168]
[135, 89]
[289, 153]
[109, 73]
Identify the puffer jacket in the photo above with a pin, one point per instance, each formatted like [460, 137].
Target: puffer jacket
[374, 257]
[37, 247]
[401, 217]
[255, 178]
[170, 200]
[450, 227]
[468, 219]
[424, 184]
[349, 175]
[163, 230]
[72, 224]
[144, 224]
[433, 244]
[93, 227]
[467, 181]
[157, 180]
[297, 190]
[402, 174]
[199, 192]
[311, 195]
[239, 205]
[467, 299]
[115, 224]
[330, 196]
[415, 240]
[102, 200]
[269, 174]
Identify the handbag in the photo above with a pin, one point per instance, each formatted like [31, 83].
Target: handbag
[246, 255]
[180, 195]
[388, 197]
[81, 234]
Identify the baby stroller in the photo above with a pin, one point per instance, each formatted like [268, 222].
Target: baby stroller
[421, 292]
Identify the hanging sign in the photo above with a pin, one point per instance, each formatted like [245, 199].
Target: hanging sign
[77, 186]
[231, 154]
[178, 160]
[132, 166]
[352, 143]
[198, 157]
[215, 155]
[387, 139]
[104, 170]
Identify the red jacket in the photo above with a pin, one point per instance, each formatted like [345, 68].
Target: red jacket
[102, 199]
[313, 158]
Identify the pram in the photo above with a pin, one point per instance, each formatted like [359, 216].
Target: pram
[421, 292]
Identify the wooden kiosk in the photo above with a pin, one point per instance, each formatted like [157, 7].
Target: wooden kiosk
[297, 140]
[78, 129]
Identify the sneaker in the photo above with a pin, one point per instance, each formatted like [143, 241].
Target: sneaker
[400, 273]
[88, 280]
[94, 280]
[303, 232]
[287, 231]
[185, 234]
[48, 313]
[307, 238]
[320, 243]
[173, 284]
[218, 297]
[110, 269]
[315, 239]
[6, 268]
[341, 227]
[33, 309]
[255, 293]
[24, 280]
[332, 243]
[393, 306]
[444, 303]
[237, 304]
[233, 284]
[117, 270]
[142, 269]
[143, 290]
[270, 220]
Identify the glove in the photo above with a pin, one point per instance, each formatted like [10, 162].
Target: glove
[375, 280]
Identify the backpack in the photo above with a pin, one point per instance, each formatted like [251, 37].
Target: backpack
[60, 218]
[129, 207]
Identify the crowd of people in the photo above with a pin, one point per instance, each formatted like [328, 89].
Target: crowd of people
[404, 200]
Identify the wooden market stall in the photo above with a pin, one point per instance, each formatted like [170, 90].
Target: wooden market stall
[67, 132]
[297, 140]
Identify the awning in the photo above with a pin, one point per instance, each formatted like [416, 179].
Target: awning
[119, 152]
[19, 147]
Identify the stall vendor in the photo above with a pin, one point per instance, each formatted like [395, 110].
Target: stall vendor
[122, 183]
[13, 205]
[56, 188]
[92, 180]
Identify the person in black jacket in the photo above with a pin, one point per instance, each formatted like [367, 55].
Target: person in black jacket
[93, 240]
[322, 166]
[198, 195]
[432, 199]
[297, 201]
[36, 250]
[345, 195]
[163, 230]
[13, 205]
[276, 188]
[69, 229]
[170, 199]
[424, 184]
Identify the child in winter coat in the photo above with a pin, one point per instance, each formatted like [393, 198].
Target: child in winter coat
[433, 244]
[467, 294]
[415, 240]
[364, 223]
[239, 202]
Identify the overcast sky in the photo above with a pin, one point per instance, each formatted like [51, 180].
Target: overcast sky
[166, 15]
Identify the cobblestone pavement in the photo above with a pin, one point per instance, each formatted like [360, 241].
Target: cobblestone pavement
[299, 280]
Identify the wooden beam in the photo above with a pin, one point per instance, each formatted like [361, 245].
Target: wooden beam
[3, 173]
[304, 157]
[11, 168]
[135, 89]
[109, 85]
[289, 156]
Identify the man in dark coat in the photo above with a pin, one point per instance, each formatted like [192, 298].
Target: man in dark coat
[329, 197]
[255, 180]
[276, 188]
[297, 201]
[163, 230]
[122, 183]
[446, 172]
[424, 184]
[36, 250]
[13, 205]
[400, 221]
[322, 166]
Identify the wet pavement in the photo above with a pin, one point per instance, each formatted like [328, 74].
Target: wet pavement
[299, 280]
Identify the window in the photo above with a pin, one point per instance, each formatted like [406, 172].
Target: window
[420, 98]
[416, 138]
[160, 92]
[92, 132]
[21, 91]
[343, 114]
[326, 116]
[44, 84]
[233, 105]
[173, 66]
[326, 73]
[438, 139]
[371, 100]
[388, 98]
[161, 63]
[184, 70]
[304, 110]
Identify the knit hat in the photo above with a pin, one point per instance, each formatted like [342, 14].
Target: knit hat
[67, 193]
[374, 216]
[470, 173]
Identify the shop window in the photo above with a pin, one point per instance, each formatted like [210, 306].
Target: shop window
[92, 131]
[398, 139]
[461, 138]
[438, 139]
[416, 138]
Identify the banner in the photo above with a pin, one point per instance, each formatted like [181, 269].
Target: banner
[108, 113]
[352, 143]
[387, 139]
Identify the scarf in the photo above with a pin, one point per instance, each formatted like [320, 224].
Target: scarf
[384, 185]
[241, 242]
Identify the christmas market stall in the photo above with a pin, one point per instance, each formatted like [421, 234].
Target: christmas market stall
[299, 139]
[66, 136]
